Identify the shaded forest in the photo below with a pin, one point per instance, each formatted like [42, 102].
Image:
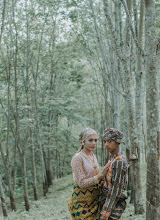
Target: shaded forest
[70, 64]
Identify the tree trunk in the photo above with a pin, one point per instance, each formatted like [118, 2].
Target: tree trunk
[43, 170]
[135, 153]
[25, 185]
[139, 75]
[4, 208]
[35, 191]
[3, 20]
[12, 200]
[29, 103]
[17, 125]
[152, 103]
[10, 189]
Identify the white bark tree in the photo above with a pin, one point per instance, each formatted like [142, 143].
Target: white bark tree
[152, 46]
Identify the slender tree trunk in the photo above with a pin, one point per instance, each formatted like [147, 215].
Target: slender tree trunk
[43, 167]
[135, 15]
[139, 72]
[25, 184]
[14, 168]
[102, 129]
[139, 75]
[138, 201]
[49, 172]
[27, 90]
[10, 189]
[128, 152]
[117, 98]
[6, 156]
[133, 134]
[17, 125]
[34, 173]
[4, 208]
[2, 20]
[37, 122]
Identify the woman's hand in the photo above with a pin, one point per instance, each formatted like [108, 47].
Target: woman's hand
[104, 171]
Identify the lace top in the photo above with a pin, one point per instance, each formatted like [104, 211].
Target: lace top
[85, 170]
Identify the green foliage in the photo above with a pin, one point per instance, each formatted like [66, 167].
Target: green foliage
[54, 49]
[50, 100]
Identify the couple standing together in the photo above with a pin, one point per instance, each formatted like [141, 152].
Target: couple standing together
[98, 195]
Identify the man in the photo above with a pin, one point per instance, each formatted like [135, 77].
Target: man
[116, 177]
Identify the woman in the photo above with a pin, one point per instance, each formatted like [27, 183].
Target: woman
[84, 202]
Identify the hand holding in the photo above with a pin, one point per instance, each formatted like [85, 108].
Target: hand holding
[104, 171]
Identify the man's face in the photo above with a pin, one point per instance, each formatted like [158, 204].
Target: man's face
[111, 146]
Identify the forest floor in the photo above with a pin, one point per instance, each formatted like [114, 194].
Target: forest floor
[54, 205]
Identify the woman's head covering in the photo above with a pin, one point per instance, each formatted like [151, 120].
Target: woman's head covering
[85, 133]
[113, 134]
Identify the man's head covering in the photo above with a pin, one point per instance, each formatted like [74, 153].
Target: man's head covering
[113, 134]
[85, 134]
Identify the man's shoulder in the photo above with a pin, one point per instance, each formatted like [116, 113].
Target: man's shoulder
[121, 161]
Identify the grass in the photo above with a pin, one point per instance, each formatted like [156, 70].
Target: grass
[54, 206]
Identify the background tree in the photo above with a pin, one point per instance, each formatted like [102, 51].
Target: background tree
[152, 109]
[67, 65]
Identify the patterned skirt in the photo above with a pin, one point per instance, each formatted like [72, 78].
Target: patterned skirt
[84, 203]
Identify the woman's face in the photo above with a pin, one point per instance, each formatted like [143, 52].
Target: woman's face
[91, 142]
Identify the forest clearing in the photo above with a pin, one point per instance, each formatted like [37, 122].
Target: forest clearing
[67, 65]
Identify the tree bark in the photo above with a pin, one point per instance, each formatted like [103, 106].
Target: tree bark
[4, 208]
[25, 185]
[34, 173]
[139, 77]
[10, 189]
[2, 20]
[152, 103]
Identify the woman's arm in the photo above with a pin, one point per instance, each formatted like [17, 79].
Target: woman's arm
[80, 176]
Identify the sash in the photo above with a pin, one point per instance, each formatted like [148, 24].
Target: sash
[109, 174]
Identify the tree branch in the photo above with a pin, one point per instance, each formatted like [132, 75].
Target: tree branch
[3, 17]
[132, 29]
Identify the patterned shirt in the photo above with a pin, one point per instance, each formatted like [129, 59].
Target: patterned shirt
[115, 182]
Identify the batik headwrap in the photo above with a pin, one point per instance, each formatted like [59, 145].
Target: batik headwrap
[113, 134]
[85, 133]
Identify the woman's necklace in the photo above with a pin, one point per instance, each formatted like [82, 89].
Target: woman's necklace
[90, 158]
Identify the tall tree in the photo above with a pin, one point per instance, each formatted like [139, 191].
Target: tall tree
[152, 45]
